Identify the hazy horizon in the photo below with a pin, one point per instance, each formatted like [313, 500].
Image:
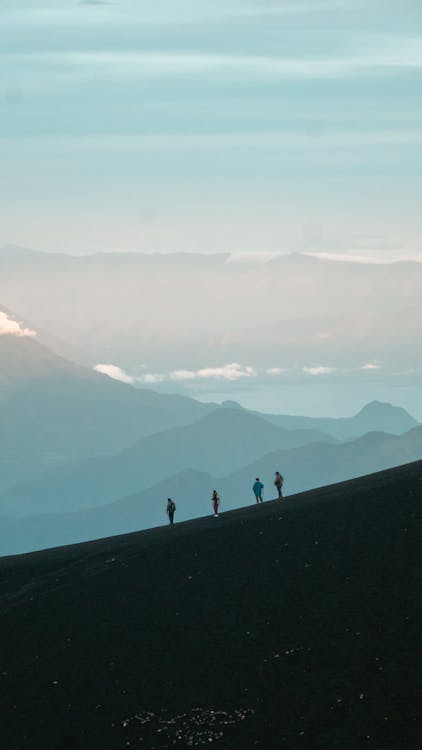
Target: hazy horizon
[295, 334]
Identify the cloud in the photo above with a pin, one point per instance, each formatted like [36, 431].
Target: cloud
[151, 377]
[13, 327]
[232, 371]
[371, 366]
[115, 372]
[320, 370]
[163, 12]
[275, 371]
[252, 258]
[141, 65]
[384, 260]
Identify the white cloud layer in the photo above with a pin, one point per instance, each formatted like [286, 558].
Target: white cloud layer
[381, 260]
[320, 370]
[10, 327]
[371, 366]
[115, 372]
[232, 371]
[275, 371]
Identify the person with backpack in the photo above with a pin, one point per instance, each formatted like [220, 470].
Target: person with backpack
[257, 490]
[171, 507]
[278, 481]
[215, 499]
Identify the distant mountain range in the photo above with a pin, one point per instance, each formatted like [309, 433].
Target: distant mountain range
[291, 309]
[304, 468]
[219, 443]
[72, 439]
[53, 410]
[320, 464]
[374, 416]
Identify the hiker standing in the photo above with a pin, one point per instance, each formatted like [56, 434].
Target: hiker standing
[257, 490]
[215, 499]
[171, 507]
[278, 481]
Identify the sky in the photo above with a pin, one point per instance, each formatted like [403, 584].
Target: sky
[241, 126]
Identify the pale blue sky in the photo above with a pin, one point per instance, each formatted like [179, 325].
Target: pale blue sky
[242, 126]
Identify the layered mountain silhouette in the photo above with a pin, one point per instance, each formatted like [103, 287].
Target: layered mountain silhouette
[73, 440]
[304, 468]
[291, 624]
[223, 441]
[321, 464]
[54, 410]
[374, 416]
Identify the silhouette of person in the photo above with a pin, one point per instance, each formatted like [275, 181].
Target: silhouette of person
[257, 490]
[215, 499]
[171, 507]
[278, 481]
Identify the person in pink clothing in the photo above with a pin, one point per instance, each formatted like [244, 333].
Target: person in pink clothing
[215, 499]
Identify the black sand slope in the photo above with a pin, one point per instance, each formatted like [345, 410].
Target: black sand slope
[295, 624]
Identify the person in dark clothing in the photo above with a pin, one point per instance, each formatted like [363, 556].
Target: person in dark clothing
[171, 507]
[278, 481]
[257, 490]
[215, 499]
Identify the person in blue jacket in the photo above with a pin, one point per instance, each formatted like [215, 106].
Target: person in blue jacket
[257, 490]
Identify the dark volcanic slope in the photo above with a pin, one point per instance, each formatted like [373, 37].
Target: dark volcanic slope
[293, 624]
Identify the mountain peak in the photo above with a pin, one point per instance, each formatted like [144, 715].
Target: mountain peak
[381, 407]
[386, 417]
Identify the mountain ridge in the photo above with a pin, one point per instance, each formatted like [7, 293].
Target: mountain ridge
[373, 415]
[191, 489]
[217, 443]
[55, 410]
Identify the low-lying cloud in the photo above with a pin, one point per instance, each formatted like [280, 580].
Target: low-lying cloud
[10, 327]
[115, 372]
[377, 260]
[275, 371]
[371, 366]
[232, 371]
[320, 370]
